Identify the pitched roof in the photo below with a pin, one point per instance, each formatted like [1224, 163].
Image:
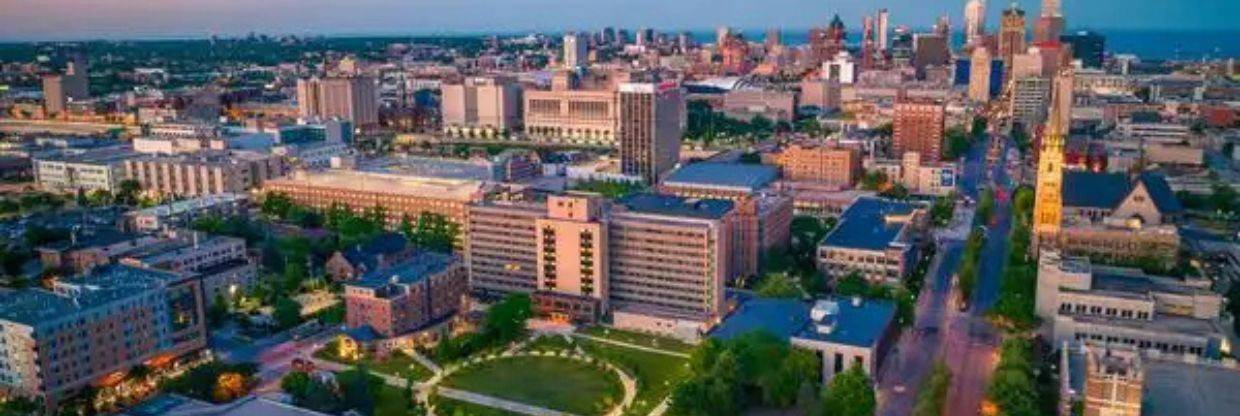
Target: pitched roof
[382, 244]
[418, 267]
[1164, 198]
[1094, 190]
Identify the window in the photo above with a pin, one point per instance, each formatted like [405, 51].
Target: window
[839, 363]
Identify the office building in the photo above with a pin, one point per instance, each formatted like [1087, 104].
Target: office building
[399, 195]
[832, 166]
[60, 341]
[481, 106]
[354, 99]
[1012, 34]
[668, 259]
[1087, 46]
[975, 22]
[875, 238]
[178, 214]
[651, 122]
[733, 181]
[408, 296]
[502, 251]
[749, 103]
[90, 170]
[919, 127]
[821, 93]
[985, 75]
[1111, 307]
[576, 51]
[840, 68]
[930, 49]
[1029, 101]
[204, 173]
[54, 98]
[572, 115]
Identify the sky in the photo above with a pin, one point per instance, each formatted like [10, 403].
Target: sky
[23, 20]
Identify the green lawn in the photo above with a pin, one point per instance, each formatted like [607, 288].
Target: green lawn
[388, 400]
[555, 383]
[397, 364]
[656, 374]
[448, 407]
[639, 339]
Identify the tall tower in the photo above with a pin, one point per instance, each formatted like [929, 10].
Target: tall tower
[883, 17]
[651, 122]
[974, 21]
[1051, 8]
[575, 51]
[1048, 205]
[1011, 34]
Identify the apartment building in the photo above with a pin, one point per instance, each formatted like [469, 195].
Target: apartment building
[919, 127]
[394, 301]
[218, 263]
[833, 166]
[1100, 306]
[399, 195]
[502, 252]
[572, 258]
[204, 173]
[876, 238]
[355, 99]
[668, 261]
[56, 342]
[91, 170]
[651, 123]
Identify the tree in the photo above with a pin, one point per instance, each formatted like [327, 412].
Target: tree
[218, 311]
[277, 205]
[850, 394]
[229, 386]
[896, 191]
[932, 398]
[1012, 387]
[296, 384]
[874, 181]
[505, 321]
[358, 391]
[21, 406]
[779, 285]
[287, 312]
[127, 192]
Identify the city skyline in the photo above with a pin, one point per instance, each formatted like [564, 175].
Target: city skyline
[78, 20]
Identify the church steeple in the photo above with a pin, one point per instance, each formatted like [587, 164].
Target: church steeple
[1048, 205]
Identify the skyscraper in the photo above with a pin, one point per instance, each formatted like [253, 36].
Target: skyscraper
[979, 74]
[1050, 24]
[974, 21]
[1088, 46]
[651, 123]
[576, 54]
[773, 38]
[883, 17]
[1011, 34]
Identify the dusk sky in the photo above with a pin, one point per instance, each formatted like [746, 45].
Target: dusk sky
[80, 19]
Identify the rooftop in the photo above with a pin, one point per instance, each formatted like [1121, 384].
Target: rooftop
[384, 183]
[1174, 389]
[471, 169]
[870, 224]
[189, 205]
[1107, 190]
[747, 177]
[676, 206]
[418, 267]
[71, 296]
[857, 324]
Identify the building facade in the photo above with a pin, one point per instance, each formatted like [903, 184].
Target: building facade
[918, 127]
[651, 122]
[488, 106]
[831, 166]
[354, 99]
[875, 238]
[206, 173]
[408, 296]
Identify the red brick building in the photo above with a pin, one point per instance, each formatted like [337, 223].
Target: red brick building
[407, 296]
[918, 127]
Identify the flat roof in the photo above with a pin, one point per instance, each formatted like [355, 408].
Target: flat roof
[851, 324]
[1175, 389]
[677, 206]
[751, 177]
[857, 324]
[188, 205]
[781, 317]
[104, 285]
[385, 183]
[864, 224]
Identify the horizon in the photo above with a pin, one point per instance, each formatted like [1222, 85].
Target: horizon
[76, 20]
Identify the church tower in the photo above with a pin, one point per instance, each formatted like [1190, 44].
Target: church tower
[1048, 203]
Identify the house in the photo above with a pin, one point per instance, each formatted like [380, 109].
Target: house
[381, 252]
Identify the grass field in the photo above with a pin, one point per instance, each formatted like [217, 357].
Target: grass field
[638, 338]
[656, 374]
[555, 383]
[550, 343]
[448, 407]
[397, 364]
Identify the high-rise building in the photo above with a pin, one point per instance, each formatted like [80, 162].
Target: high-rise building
[1029, 100]
[883, 29]
[930, 49]
[1050, 24]
[975, 22]
[918, 127]
[576, 52]
[1087, 46]
[1051, 8]
[651, 122]
[73, 84]
[979, 74]
[1012, 33]
[721, 34]
[354, 99]
[773, 38]
[54, 99]
[645, 37]
[492, 104]
[572, 255]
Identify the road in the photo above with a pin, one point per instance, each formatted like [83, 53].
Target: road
[963, 340]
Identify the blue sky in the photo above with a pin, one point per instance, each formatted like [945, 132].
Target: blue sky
[78, 19]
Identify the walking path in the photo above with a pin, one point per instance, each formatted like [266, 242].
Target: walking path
[498, 403]
[631, 345]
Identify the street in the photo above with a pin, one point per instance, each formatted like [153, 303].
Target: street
[965, 341]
